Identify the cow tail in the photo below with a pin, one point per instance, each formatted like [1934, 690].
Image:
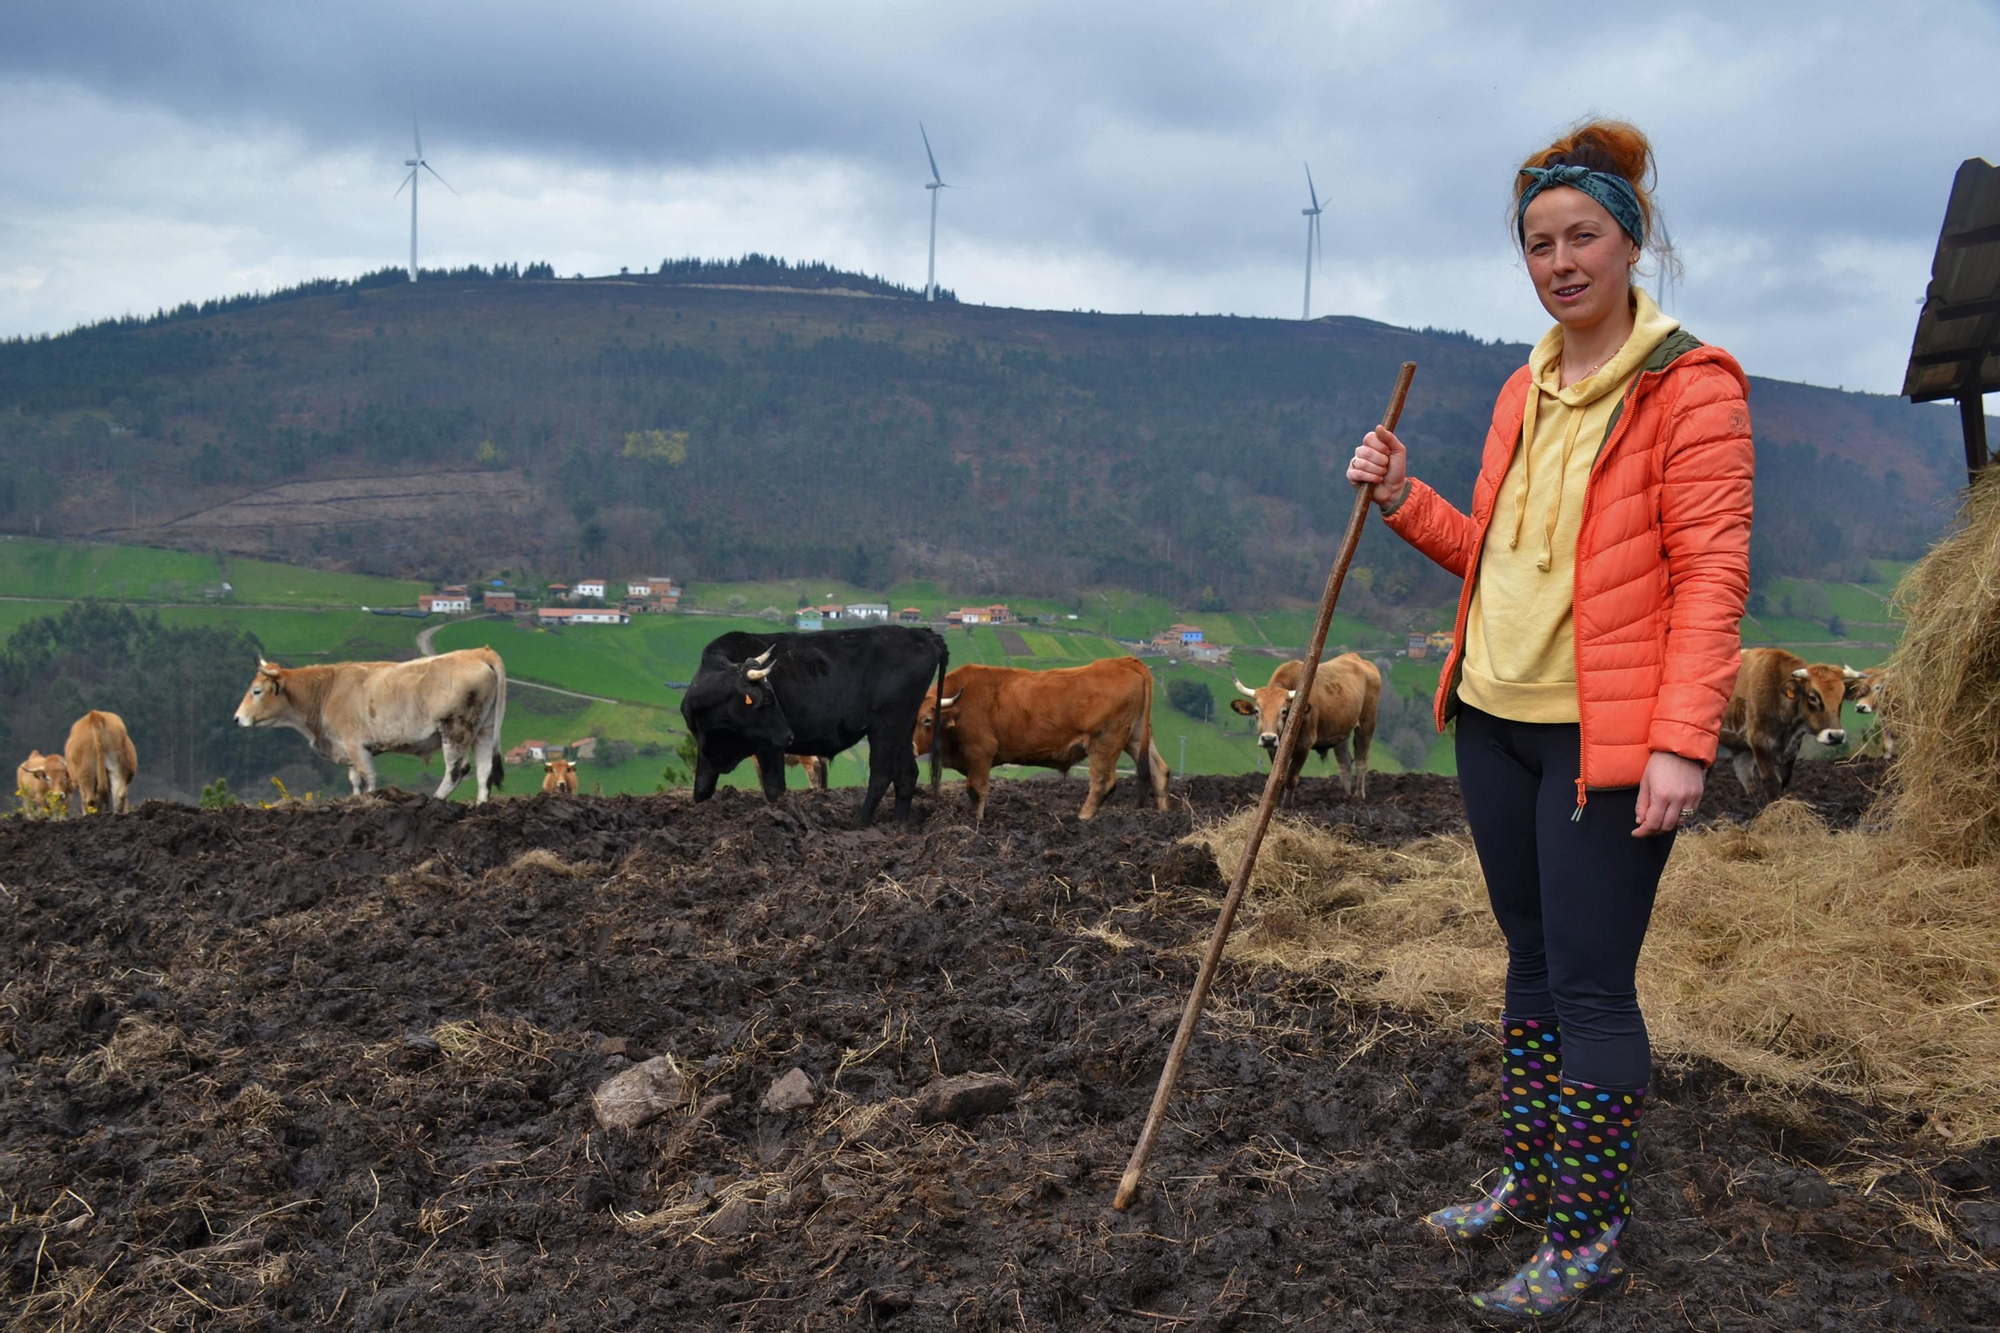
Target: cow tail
[1142, 762]
[496, 776]
[937, 717]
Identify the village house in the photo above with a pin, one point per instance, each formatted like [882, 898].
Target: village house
[656, 593]
[501, 603]
[1417, 647]
[446, 602]
[809, 620]
[1439, 640]
[589, 588]
[999, 614]
[910, 615]
[558, 592]
[878, 611]
[970, 615]
[582, 615]
[831, 611]
[1178, 638]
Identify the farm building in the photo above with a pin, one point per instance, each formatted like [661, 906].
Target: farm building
[503, 603]
[444, 603]
[582, 615]
[877, 611]
[910, 615]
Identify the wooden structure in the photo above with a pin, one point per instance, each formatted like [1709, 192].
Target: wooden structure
[1956, 351]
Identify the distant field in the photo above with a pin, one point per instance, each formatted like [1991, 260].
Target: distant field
[627, 662]
[317, 636]
[33, 567]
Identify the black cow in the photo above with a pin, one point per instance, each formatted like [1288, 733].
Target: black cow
[768, 695]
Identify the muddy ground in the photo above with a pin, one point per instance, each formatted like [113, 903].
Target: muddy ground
[333, 1068]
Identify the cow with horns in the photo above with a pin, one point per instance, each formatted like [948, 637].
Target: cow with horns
[769, 695]
[1345, 694]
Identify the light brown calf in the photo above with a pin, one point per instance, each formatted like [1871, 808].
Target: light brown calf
[43, 784]
[814, 766]
[559, 775]
[102, 762]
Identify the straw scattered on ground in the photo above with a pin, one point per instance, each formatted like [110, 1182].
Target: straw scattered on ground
[1791, 954]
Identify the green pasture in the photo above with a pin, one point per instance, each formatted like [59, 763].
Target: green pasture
[38, 567]
[626, 662]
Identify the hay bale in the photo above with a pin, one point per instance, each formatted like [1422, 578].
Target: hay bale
[1943, 703]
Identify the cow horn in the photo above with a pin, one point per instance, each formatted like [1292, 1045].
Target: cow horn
[949, 700]
[1849, 673]
[1241, 688]
[1801, 673]
[764, 657]
[1291, 695]
[754, 674]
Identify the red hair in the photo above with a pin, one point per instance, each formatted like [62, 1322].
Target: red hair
[1620, 149]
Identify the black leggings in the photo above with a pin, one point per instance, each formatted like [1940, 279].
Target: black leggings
[1572, 896]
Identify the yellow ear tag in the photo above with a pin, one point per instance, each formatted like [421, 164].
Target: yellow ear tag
[748, 702]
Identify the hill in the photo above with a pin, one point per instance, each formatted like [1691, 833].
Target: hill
[729, 425]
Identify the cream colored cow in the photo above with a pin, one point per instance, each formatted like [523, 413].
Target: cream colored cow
[353, 711]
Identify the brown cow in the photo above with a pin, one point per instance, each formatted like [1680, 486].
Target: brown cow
[102, 762]
[43, 784]
[1346, 692]
[1779, 700]
[814, 765]
[559, 775]
[1865, 691]
[1047, 719]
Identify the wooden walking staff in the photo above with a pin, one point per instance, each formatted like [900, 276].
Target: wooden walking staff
[1281, 764]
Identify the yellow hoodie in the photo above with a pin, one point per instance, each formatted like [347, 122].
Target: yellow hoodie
[1520, 646]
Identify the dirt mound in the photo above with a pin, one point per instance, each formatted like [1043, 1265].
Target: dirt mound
[334, 1068]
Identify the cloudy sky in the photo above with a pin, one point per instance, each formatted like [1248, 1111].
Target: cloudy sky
[1122, 155]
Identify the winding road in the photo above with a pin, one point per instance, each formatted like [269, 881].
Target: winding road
[426, 647]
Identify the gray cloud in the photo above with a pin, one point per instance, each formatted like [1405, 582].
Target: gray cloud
[1116, 156]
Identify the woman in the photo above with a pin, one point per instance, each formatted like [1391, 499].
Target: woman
[1606, 560]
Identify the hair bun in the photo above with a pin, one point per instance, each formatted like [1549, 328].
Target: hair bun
[1621, 149]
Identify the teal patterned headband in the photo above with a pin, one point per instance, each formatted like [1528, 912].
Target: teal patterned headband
[1620, 200]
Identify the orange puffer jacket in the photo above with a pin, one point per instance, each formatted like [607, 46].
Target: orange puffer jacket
[1662, 559]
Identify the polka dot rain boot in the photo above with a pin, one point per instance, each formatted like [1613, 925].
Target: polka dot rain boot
[1589, 1163]
[1530, 1054]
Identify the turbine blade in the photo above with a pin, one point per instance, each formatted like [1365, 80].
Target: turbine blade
[440, 180]
[1309, 187]
[406, 180]
[929, 154]
[416, 133]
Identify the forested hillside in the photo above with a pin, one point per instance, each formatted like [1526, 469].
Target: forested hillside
[770, 421]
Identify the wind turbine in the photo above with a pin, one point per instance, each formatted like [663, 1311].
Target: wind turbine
[935, 184]
[416, 165]
[1313, 246]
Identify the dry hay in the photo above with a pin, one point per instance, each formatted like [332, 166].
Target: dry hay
[1944, 701]
[1793, 955]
